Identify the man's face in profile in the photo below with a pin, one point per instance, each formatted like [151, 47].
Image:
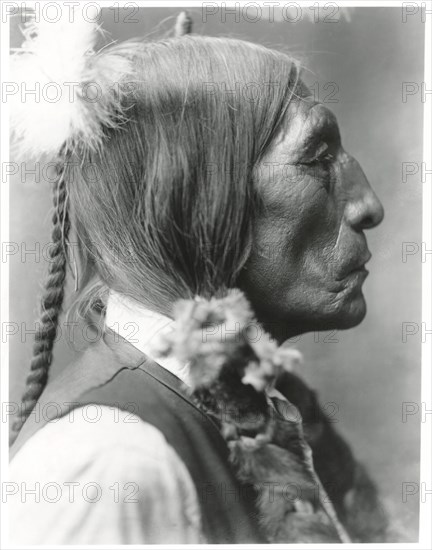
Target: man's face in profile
[307, 266]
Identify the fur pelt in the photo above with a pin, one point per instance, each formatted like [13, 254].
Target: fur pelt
[230, 370]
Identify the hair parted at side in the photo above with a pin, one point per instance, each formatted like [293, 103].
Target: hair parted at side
[164, 209]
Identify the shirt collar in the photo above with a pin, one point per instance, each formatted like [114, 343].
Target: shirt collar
[140, 326]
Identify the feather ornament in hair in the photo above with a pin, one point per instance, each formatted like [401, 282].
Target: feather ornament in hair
[183, 24]
[78, 91]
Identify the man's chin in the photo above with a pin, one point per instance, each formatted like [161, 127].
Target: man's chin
[346, 315]
[342, 314]
[351, 315]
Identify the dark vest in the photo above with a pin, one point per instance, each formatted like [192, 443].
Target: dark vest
[113, 372]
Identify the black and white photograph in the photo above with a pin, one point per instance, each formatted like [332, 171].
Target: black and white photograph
[216, 272]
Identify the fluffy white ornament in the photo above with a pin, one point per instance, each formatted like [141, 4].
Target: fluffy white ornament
[78, 91]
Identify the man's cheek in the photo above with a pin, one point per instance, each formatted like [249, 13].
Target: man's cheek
[314, 237]
[270, 233]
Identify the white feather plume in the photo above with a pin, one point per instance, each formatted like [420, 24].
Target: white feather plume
[77, 90]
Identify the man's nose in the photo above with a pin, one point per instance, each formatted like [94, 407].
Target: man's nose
[364, 209]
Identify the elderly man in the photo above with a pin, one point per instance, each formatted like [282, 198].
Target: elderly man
[198, 192]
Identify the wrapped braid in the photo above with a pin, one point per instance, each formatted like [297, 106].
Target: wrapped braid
[50, 304]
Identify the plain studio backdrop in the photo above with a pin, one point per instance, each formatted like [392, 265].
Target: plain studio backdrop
[357, 60]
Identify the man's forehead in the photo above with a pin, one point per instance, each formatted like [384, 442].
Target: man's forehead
[307, 118]
[306, 107]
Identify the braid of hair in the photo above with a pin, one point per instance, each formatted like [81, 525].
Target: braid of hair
[183, 24]
[50, 305]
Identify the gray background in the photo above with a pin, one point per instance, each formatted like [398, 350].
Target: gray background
[368, 372]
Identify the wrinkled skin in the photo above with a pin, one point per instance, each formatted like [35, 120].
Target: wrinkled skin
[306, 269]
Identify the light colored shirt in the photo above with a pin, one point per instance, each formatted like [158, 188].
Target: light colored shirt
[114, 481]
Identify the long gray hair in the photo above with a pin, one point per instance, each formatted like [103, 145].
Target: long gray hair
[165, 209]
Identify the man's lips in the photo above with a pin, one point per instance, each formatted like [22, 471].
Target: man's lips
[356, 265]
[361, 264]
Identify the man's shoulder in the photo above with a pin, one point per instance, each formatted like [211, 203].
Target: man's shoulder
[113, 460]
[92, 433]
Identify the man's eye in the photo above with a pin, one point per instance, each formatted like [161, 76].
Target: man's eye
[324, 153]
[326, 157]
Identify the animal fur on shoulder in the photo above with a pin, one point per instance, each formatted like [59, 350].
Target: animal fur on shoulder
[232, 363]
